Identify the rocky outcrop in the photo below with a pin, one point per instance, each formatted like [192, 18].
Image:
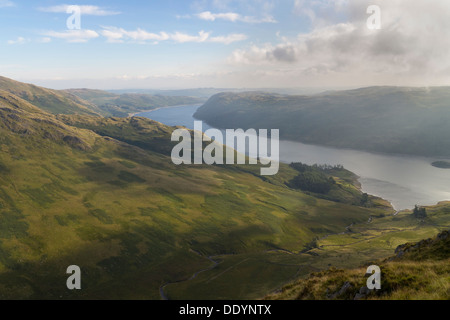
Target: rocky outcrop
[403, 249]
[345, 289]
[363, 293]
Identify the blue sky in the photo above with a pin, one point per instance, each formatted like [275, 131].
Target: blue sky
[211, 43]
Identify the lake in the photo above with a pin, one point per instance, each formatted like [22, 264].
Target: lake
[403, 180]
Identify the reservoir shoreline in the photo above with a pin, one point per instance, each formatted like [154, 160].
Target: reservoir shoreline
[402, 180]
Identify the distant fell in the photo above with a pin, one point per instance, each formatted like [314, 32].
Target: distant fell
[122, 105]
[396, 120]
[53, 101]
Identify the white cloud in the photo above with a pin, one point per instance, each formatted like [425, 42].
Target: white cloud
[235, 37]
[45, 40]
[183, 37]
[114, 34]
[233, 17]
[85, 9]
[72, 35]
[207, 15]
[19, 40]
[411, 45]
[6, 3]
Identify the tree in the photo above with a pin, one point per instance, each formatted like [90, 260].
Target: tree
[365, 200]
[420, 212]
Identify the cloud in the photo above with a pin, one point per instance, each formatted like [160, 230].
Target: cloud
[183, 37]
[235, 37]
[85, 10]
[410, 45]
[233, 17]
[72, 35]
[320, 12]
[6, 3]
[44, 40]
[114, 34]
[207, 15]
[19, 40]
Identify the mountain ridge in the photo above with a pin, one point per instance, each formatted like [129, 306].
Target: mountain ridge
[396, 120]
[113, 203]
[53, 101]
[102, 193]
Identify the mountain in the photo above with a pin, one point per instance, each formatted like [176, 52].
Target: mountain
[396, 120]
[121, 105]
[52, 101]
[90, 102]
[103, 194]
[206, 93]
[417, 271]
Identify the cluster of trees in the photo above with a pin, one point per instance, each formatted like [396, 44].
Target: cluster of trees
[321, 167]
[311, 178]
[420, 212]
[365, 200]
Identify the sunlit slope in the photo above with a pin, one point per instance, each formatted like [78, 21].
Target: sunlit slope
[284, 272]
[383, 119]
[126, 215]
[418, 270]
[53, 101]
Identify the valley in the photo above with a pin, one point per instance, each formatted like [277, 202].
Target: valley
[102, 193]
[208, 153]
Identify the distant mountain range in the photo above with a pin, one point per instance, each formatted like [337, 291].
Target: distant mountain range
[52, 101]
[91, 102]
[206, 93]
[399, 120]
[121, 105]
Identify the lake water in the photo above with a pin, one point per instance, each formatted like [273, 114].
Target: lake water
[403, 180]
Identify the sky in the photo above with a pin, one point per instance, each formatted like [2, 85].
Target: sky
[174, 44]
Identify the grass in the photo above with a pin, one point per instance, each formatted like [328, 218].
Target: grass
[422, 272]
[111, 104]
[133, 221]
[364, 245]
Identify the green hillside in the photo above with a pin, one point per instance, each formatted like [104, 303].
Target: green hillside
[103, 194]
[52, 101]
[90, 102]
[383, 119]
[417, 271]
[128, 217]
[336, 257]
[121, 105]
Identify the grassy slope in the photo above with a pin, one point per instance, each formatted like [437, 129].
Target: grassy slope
[130, 218]
[90, 102]
[417, 270]
[53, 101]
[121, 105]
[383, 119]
[361, 244]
